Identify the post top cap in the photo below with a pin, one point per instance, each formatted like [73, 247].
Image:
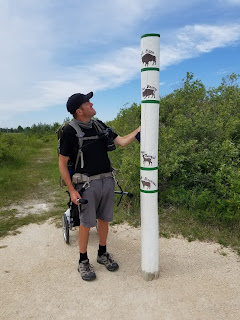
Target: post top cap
[150, 35]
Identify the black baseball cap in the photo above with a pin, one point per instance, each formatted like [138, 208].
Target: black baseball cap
[74, 102]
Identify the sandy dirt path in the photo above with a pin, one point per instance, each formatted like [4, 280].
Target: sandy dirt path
[39, 279]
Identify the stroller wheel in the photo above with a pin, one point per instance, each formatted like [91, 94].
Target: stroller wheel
[65, 228]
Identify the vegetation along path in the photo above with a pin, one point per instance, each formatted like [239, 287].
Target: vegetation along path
[30, 189]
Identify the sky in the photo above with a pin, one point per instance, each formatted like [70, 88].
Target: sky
[52, 49]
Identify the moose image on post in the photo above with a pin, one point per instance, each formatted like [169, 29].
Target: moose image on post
[148, 58]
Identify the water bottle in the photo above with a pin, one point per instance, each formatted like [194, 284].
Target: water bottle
[67, 213]
[70, 169]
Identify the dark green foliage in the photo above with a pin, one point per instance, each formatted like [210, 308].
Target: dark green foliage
[199, 142]
[127, 160]
[199, 150]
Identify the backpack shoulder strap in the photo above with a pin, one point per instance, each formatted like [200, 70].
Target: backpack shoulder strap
[79, 135]
[98, 125]
[77, 128]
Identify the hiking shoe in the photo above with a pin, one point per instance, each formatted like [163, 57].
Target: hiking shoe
[86, 270]
[108, 261]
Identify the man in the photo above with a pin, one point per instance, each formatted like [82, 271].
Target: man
[93, 165]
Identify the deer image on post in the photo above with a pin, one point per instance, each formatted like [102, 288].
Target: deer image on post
[147, 159]
[146, 184]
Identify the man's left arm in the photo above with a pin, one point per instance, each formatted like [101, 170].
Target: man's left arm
[124, 141]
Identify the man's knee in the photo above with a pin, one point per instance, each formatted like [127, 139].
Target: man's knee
[84, 229]
[103, 222]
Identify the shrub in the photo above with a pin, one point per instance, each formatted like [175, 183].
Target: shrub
[199, 142]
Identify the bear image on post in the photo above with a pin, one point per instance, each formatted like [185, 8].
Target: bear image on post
[148, 58]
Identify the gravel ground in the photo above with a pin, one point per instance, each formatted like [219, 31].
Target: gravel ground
[39, 279]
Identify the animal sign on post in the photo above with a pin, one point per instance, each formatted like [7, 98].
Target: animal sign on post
[150, 46]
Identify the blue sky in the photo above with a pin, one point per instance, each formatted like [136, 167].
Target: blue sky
[52, 49]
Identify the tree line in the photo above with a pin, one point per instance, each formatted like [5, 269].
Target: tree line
[39, 128]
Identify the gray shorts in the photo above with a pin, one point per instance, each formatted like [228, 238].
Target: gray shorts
[100, 196]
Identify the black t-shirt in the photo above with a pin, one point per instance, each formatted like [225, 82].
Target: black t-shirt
[95, 154]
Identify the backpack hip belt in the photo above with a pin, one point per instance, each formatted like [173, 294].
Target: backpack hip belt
[83, 178]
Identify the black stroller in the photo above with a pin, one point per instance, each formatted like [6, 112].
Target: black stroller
[70, 218]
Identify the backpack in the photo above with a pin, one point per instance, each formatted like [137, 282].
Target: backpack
[80, 135]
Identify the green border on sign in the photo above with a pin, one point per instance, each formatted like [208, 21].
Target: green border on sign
[152, 191]
[149, 69]
[150, 101]
[154, 168]
[150, 35]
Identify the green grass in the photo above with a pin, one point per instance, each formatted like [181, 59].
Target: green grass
[174, 222]
[36, 177]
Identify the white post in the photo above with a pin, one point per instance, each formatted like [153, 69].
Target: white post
[150, 47]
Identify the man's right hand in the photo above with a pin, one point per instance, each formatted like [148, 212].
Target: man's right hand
[75, 196]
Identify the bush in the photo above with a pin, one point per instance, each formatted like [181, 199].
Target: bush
[15, 147]
[127, 160]
[199, 149]
[199, 142]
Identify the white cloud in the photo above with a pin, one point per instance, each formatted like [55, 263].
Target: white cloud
[121, 66]
[42, 40]
[192, 41]
[223, 71]
[38, 39]
[114, 70]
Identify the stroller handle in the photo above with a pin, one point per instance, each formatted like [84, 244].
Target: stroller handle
[82, 201]
[130, 195]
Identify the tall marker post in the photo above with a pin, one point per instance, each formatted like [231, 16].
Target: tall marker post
[150, 55]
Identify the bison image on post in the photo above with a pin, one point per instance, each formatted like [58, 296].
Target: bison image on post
[148, 58]
[149, 92]
[146, 184]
